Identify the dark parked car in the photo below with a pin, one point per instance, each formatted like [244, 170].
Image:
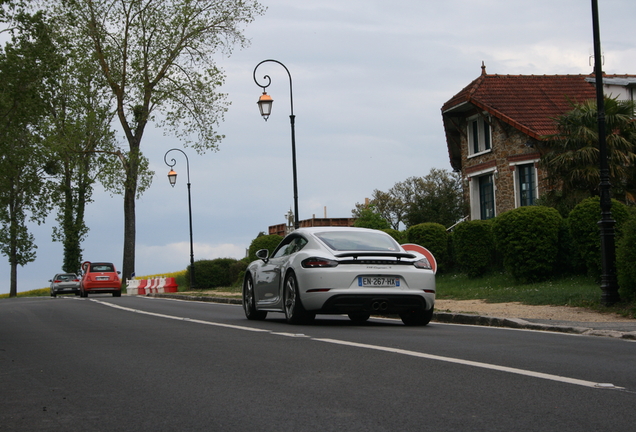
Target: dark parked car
[65, 283]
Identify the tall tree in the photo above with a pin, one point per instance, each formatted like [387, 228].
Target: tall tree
[388, 206]
[157, 57]
[439, 199]
[79, 135]
[571, 156]
[436, 197]
[27, 63]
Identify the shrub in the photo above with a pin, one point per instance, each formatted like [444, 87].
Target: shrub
[568, 259]
[585, 232]
[268, 242]
[625, 259]
[473, 247]
[432, 236]
[528, 240]
[237, 271]
[212, 273]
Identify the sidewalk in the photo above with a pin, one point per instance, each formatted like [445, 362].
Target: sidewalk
[618, 329]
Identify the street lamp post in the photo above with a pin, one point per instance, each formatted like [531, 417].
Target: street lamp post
[609, 283]
[265, 106]
[172, 177]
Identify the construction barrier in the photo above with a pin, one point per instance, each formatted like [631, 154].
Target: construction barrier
[158, 285]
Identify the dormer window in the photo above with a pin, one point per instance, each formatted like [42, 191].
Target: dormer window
[479, 136]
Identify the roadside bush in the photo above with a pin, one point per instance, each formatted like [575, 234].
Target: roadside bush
[432, 236]
[473, 247]
[183, 280]
[268, 242]
[237, 271]
[528, 240]
[568, 259]
[212, 273]
[626, 259]
[585, 232]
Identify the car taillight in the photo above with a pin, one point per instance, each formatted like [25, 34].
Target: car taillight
[315, 262]
[57, 281]
[423, 264]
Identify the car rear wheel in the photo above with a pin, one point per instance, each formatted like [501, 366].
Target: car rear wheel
[359, 317]
[417, 318]
[249, 302]
[295, 313]
[117, 294]
[53, 294]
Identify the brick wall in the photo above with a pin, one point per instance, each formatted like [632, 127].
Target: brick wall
[509, 148]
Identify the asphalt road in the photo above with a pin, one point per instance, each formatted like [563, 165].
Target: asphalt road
[142, 364]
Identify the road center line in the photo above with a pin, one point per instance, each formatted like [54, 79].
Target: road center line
[506, 369]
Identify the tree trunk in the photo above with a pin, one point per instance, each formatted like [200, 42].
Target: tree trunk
[128, 267]
[13, 291]
[130, 195]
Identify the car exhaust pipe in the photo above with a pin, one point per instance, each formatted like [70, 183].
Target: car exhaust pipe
[379, 306]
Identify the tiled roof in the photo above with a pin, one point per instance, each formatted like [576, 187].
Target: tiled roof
[527, 102]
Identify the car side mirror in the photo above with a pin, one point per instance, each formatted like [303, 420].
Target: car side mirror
[118, 272]
[262, 254]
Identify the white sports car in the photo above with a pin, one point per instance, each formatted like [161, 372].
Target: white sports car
[336, 270]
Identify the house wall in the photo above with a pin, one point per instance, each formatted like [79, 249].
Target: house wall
[510, 148]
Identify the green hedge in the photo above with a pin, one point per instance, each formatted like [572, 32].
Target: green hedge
[585, 232]
[432, 236]
[528, 240]
[626, 260]
[212, 273]
[473, 247]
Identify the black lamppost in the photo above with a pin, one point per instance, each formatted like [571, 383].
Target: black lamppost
[609, 284]
[172, 177]
[265, 106]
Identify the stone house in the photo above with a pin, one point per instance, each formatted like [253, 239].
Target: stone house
[493, 126]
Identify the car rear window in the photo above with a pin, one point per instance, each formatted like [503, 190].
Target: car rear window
[358, 241]
[101, 268]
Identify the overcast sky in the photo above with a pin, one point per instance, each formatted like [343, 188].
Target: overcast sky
[369, 79]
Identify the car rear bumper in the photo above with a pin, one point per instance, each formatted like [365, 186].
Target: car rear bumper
[103, 288]
[374, 303]
[66, 290]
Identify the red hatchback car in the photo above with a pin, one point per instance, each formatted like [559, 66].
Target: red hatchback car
[99, 277]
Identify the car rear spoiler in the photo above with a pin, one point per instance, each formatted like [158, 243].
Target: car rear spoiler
[355, 255]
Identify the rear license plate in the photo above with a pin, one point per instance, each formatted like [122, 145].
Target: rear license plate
[102, 278]
[378, 281]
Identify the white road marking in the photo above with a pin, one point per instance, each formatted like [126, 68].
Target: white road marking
[506, 369]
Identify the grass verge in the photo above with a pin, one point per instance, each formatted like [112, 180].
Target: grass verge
[33, 293]
[575, 291]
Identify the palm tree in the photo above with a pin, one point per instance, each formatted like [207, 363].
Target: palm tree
[571, 156]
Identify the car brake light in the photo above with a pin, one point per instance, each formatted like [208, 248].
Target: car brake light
[315, 262]
[423, 264]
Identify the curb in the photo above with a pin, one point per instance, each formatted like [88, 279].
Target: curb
[454, 318]
[518, 323]
[198, 298]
